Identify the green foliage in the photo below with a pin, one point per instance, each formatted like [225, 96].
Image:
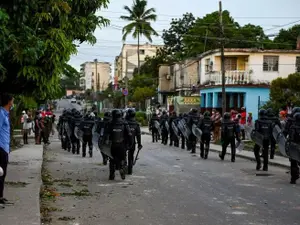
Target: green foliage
[142, 93]
[37, 39]
[116, 97]
[284, 90]
[141, 118]
[140, 19]
[288, 38]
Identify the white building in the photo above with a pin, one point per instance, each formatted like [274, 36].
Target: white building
[92, 81]
[127, 61]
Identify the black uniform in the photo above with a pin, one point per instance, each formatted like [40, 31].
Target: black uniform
[263, 126]
[75, 122]
[68, 130]
[164, 128]
[153, 129]
[206, 125]
[60, 128]
[193, 118]
[173, 137]
[275, 121]
[292, 130]
[136, 134]
[229, 132]
[87, 128]
[120, 137]
[183, 138]
[101, 128]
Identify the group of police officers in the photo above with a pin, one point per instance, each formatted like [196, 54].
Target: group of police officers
[116, 136]
[189, 128]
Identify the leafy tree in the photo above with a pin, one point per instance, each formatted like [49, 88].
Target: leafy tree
[37, 39]
[140, 19]
[174, 47]
[288, 38]
[142, 93]
[205, 34]
[284, 90]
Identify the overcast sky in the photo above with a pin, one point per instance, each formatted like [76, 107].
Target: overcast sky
[267, 13]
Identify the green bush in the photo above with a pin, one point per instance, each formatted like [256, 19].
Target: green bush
[141, 118]
[101, 115]
[141, 114]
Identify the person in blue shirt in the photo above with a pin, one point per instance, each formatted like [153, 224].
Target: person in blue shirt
[6, 103]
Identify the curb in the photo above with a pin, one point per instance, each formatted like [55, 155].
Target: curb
[237, 155]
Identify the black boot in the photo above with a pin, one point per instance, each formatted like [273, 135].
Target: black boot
[91, 153]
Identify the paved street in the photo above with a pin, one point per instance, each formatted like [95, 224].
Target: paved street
[170, 186]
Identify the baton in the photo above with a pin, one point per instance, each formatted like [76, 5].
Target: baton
[137, 154]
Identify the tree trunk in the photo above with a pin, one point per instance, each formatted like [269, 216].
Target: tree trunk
[138, 52]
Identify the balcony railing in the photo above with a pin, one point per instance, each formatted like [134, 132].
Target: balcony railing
[231, 77]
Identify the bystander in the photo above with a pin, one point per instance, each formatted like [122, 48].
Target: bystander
[6, 103]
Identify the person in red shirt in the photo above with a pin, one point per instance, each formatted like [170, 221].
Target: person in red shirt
[243, 122]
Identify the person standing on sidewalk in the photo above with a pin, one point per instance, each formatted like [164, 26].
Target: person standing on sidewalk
[6, 105]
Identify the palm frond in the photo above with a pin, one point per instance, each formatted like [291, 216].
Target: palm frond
[151, 17]
[127, 18]
[128, 29]
[128, 9]
[149, 12]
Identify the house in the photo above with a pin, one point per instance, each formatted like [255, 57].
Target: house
[177, 85]
[248, 75]
[127, 61]
[92, 81]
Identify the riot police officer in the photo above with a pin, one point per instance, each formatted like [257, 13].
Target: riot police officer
[264, 127]
[60, 127]
[87, 127]
[206, 125]
[292, 130]
[193, 118]
[120, 137]
[101, 128]
[173, 134]
[183, 138]
[154, 129]
[164, 125]
[75, 122]
[136, 134]
[229, 132]
[275, 121]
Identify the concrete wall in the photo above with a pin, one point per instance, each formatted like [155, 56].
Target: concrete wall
[251, 97]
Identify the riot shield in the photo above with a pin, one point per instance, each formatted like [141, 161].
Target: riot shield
[105, 147]
[175, 130]
[239, 145]
[167, 126]
[157, 126]
[182, 126]
[293, 150]
[68, 130]
[95, 140]
[280, 139]
[257, 138]
[248, 130]
[78, 133]
[196, 131]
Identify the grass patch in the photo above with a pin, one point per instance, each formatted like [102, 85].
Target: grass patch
[66, 180]
[83, 192]
[16, 184]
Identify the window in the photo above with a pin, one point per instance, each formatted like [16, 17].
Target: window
[270, 63]
[207, 65]
[298, 64]
[142, 52]
[230, 63]
[92, 74]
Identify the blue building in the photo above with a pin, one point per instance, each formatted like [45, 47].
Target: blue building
[250, 97]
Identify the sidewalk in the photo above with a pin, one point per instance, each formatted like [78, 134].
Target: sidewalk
[22, 186]
[278, 161]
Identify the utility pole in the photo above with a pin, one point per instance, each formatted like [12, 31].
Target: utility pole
[222, 59]
[96, 74]
[126, 80]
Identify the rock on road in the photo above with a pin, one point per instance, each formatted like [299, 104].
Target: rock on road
[170, 186]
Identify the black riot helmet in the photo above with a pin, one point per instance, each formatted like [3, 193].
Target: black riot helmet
[226, 116]
[262, 113]
[194, 111]
[206, 114]
[116, 114]
[130, 113]
[64, 112]
[270, 112]
[185, 115]
[295, 110]
[154, 115]
[107, 115]
[164, 112]
[296, 116]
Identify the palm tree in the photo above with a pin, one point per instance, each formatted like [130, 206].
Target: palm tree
[139, 18]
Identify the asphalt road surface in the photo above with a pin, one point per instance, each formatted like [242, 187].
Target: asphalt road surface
[170, 186]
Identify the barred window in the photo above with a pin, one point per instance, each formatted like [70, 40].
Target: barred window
[230, 63]
[298, 64]
[207, 65]
[270, 63]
